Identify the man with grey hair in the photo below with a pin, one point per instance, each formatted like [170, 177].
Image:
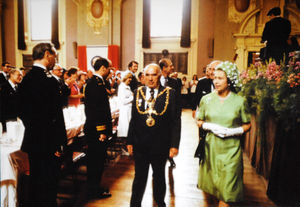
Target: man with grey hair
[205, 84]
[64, 90]
[153, 134]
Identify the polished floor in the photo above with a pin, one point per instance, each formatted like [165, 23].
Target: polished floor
[181, 181]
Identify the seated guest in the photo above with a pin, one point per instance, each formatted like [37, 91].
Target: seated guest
[125, 97]
[9, 97]
[64, 90]
[75, 96]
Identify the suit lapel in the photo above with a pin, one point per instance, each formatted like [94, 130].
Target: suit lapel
[160, 100]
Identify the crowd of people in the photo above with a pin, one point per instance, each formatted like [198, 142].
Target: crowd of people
[150, 106]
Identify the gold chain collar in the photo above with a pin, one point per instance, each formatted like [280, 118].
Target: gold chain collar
[150, 110]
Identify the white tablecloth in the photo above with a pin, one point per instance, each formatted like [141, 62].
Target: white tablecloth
[9, 142]
[12, 140]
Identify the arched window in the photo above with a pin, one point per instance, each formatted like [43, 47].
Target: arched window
[166, 18]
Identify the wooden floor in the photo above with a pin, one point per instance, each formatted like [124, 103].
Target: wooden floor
[181, 181]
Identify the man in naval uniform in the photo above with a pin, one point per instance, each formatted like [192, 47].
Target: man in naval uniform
[154, 134]
[97, 128]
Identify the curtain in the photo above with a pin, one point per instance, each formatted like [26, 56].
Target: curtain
[54, 35]
[186, 25]
[82, 58]
[146, 43]
[113, 55]
[21, 35]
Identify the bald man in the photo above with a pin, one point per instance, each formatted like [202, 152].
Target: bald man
[153, 134]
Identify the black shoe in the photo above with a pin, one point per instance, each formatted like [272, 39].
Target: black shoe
[172, 163]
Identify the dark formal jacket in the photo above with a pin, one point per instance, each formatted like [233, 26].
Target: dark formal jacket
[133, 84]
[203, 87]
[41, 113]
[9, 102]
[64, 92]
[174, 84]
[2, 79]
[165, 134]
[276, 32]
[97, 109]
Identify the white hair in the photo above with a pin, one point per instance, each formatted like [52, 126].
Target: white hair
[152, 65]
[214, 62]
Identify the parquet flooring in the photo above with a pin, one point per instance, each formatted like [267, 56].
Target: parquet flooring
[181, 181]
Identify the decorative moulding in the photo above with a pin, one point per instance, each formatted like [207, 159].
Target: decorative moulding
[234, 15]
[97, 14]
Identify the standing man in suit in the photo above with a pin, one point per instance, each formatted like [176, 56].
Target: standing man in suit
[154, 134]
[64, 90]
[276, 34]
[9, 97]
[205, 85]
[45, 133]
[97, 128]
[133, 67]
[5, 68]
[167, 68]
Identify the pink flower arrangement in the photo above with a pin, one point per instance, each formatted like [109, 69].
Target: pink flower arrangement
[273, 72]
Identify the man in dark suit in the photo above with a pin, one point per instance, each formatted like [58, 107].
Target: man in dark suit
[9, 98]
[64, 90]
[167, 68]
[97, 128]
[276, 34]
[153, 135]
[133, 67]
[205, 85]
[45, 133]
[5, 68]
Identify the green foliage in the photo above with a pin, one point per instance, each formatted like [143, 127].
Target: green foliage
[273, 90]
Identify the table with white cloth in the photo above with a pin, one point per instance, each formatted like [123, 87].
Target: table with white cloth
[11, 141]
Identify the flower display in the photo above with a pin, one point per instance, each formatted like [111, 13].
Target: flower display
[273, 89]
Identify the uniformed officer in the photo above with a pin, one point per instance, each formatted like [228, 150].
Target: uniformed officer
[97, 128]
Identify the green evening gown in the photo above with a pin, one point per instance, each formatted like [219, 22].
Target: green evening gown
[221, 174]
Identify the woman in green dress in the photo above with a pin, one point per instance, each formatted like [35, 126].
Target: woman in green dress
[224, 115]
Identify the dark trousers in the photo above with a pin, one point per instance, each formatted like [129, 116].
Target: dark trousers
[96, 155]
[43, 180]
[142, 163]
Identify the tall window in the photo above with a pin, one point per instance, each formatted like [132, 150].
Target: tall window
[40, 19]
[166, 17]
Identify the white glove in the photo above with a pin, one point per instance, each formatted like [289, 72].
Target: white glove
[210, 126]
[214, 128]
[234, 132]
